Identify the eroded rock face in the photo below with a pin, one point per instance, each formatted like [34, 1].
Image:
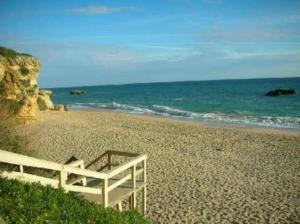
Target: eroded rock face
[20, 96]
[44, 100]
[19, 87]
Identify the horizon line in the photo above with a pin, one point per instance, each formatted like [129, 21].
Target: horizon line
[161, 82]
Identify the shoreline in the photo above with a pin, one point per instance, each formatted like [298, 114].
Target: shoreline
[217, 124]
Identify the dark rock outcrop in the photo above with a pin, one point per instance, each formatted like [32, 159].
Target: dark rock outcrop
[281, 92]
[59, 107]
[77, 92]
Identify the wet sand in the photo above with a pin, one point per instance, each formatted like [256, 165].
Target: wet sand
[197, 173]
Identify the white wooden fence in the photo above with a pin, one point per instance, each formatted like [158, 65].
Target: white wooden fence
[114, 184]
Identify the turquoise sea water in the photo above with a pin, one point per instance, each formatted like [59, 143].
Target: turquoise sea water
[226, 101]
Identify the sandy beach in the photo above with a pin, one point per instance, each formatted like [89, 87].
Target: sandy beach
[197, 173]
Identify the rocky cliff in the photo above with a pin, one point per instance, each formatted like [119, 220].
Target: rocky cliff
[19, 90]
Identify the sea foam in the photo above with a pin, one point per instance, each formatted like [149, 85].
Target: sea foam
[166, 111]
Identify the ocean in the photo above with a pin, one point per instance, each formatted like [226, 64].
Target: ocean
[220, 101]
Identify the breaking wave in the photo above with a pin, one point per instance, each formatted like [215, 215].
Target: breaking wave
[233, 118]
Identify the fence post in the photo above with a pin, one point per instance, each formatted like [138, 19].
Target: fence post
[133, 176]
[21, 169]
[144, 191]
[63, 175]
[84, 179]
[105, 193]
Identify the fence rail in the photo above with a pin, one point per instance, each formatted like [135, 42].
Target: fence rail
[109, 187]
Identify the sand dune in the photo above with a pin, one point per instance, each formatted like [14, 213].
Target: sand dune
[196, 173]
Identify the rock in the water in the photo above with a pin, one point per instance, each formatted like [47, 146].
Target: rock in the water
[59, 107]
[281, 92]
[77, 92]
[44, 100]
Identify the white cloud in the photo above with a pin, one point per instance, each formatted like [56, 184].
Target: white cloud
[102, 10]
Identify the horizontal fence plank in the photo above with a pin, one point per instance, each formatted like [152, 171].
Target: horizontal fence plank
[18, 159]
[31, 178]
[124, 166]
[76, 163]
[90, 190]
[84, 172]
[74, 180]
[123, 180]
[116, 197]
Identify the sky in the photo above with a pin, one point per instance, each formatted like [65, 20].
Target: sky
[128, 41]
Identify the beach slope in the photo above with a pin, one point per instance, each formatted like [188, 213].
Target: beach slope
[196, 173]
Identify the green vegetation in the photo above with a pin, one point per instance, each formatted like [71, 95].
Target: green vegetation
[9, 53]
[33, 203]
[11, 141]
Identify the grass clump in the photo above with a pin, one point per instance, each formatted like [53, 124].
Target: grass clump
[11, 141]
[10, 53]
[33, 203]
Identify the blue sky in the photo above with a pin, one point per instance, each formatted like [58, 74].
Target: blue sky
[112, 42]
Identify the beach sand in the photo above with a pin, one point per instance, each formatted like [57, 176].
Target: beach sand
[197, 173]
